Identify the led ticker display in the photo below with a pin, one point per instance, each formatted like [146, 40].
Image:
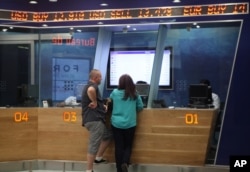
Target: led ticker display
[134, 13]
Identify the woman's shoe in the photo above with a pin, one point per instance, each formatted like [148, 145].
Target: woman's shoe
[124, 167]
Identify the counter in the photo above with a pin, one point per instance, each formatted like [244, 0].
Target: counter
[163, 136]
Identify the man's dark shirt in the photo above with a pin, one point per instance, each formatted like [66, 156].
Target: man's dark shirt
[89, 114]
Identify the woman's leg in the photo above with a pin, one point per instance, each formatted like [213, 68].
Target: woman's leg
[129, 139]
[119, 147]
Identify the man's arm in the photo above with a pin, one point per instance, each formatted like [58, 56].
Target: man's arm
[92, 96]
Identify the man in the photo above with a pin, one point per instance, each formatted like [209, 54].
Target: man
[93, 118]
[215, 97]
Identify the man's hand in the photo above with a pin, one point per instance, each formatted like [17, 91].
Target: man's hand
[105, 108]
[93, 105]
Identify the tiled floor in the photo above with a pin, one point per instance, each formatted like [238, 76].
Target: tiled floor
[67, 166]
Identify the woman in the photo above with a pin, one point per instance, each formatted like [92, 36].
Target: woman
[126, 104]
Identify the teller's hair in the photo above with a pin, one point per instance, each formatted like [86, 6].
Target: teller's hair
[205, 81]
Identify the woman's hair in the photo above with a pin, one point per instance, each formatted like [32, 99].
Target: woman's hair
[126, 83]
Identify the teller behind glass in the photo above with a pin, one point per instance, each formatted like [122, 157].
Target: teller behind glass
[215, 97]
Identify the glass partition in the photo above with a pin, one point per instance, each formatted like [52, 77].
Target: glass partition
[15, 75]
[54, 63]
[65, 63]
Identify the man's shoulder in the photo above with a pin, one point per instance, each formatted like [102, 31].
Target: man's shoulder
[215, 95]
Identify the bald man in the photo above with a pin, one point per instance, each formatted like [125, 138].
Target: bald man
[93, 118]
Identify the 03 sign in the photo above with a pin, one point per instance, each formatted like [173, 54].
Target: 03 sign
[69, 116]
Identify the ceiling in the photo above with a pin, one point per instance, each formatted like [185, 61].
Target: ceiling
[66, 5]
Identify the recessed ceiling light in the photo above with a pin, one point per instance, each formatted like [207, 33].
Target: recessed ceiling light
[52, 0]
[45, 25]
[33, 2]
[176, 1]
[79, 30]
[4, 30]
[104, 4]
[100, 23]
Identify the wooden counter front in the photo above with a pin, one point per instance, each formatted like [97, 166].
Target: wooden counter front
[163, 136]
[18, 134]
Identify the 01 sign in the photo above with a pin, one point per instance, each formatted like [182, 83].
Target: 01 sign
[191, 118]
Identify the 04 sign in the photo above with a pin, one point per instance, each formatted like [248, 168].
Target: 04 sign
[21, 117]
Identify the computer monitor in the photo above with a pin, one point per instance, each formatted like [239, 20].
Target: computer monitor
[138, 63]
[143, 91]
[200, 96]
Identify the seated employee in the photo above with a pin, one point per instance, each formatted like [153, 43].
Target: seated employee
[70, 101]
[215, 97]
